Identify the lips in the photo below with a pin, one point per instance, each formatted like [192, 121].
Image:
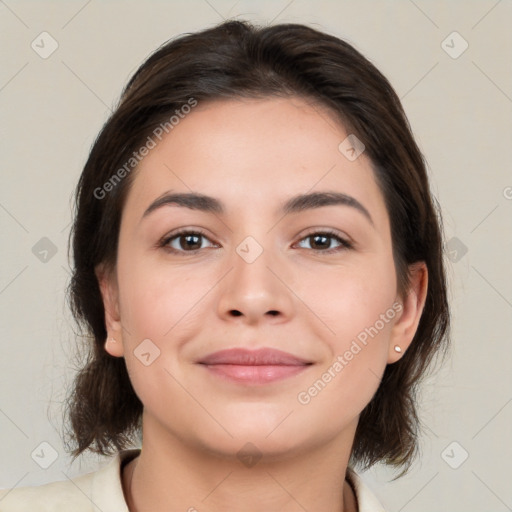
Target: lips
[254, 366]
[260, 357]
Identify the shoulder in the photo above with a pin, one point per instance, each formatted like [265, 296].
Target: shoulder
[55, 496]
[366, 500]
[99, 490]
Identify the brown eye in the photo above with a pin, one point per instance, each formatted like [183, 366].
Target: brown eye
[184, 241]
[321, 242]
[190, 241]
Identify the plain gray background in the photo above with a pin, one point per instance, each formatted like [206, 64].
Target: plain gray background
[459, 103]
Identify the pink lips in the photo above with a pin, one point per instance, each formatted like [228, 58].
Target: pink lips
[254, 366]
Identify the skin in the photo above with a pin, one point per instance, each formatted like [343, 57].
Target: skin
[253, 155]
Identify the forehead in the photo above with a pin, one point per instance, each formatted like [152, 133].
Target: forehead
[254, 153]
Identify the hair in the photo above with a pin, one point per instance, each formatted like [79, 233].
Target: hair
[236, 59]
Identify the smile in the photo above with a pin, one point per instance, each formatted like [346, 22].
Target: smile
[254, 366]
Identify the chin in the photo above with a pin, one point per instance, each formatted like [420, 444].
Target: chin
[253, 444]
[272, 435]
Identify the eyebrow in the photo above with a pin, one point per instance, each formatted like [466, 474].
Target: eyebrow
[296, 204]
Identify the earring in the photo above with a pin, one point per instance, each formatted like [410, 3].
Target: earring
[111, 340]
[398, 349]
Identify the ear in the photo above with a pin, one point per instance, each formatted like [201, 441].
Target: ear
[406, 324]
[107, 281]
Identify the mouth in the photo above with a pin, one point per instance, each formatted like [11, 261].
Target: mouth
[260, 366]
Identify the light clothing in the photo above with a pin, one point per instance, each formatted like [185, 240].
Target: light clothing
[102, 491]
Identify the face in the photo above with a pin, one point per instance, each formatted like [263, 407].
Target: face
[315, 281]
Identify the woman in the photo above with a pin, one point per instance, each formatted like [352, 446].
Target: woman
[258, 261]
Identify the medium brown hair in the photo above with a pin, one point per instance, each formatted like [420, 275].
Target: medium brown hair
[237, 59]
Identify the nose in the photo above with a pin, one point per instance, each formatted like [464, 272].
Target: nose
[256, 287]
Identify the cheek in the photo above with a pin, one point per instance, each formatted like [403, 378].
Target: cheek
[341, 390]
[158, 301]
[161, 309]
[353, 302]
[357, 307]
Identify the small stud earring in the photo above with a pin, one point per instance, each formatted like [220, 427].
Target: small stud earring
[398, 349]
[111, 340]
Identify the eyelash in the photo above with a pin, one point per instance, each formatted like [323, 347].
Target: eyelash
[344, 244]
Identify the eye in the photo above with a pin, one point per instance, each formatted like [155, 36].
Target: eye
[322, 240]
[191, 241]
[184, 241]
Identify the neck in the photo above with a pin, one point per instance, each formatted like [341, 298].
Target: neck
[174, 476]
